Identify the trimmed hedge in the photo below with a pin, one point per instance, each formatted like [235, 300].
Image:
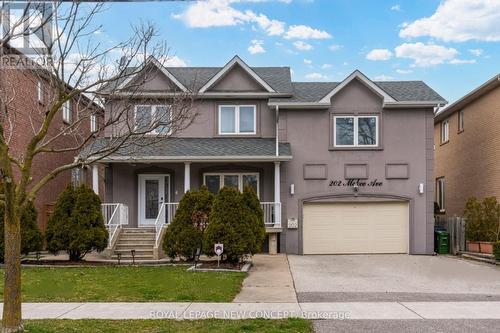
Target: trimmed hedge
[77, 225]
[182, 236]
[232, 224]
[252, 202]
[482, 220]
[496, 250]
[31, 237]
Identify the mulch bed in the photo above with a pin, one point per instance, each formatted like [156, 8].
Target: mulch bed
[223, 265]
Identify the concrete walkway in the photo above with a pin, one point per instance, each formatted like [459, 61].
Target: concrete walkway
[191, 311]
[269, 280]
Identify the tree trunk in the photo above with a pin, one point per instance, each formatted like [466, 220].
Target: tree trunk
[74, 255]
[12, 284]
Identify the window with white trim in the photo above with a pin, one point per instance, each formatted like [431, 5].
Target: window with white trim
[355, 131]
[94, 126]
[445, 131]
[237, 119]
[214, 181]
[440, 193]
[155, 118]
[39, 91]
[67, 112]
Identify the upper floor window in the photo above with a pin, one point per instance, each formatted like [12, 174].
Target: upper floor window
[216, 181]
[460, 120]
[39, 91]
[355, 131]
[94, 126]
[237, 119]
[440, 194]
[67, 112]
[445, 131]
[155, 119]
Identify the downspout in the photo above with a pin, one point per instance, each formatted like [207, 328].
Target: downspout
[277, 128]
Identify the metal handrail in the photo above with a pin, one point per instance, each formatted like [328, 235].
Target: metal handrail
[112, 219]
[164, 218]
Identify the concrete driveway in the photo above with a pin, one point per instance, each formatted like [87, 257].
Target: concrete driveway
[341, 278]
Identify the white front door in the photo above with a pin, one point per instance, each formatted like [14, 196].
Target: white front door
[153, 192]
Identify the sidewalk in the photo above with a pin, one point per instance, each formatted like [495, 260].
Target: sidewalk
[191, 311]
[269, 281]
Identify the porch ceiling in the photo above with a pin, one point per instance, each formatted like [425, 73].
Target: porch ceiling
[192, 149]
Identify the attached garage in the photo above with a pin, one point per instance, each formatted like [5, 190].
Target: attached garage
[355, 227]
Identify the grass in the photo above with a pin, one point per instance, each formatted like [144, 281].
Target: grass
[157, 326]
[127, 284]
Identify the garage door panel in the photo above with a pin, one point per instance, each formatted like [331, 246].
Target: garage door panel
[330, 228]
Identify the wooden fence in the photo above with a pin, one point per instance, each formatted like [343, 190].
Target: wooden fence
[455, 225]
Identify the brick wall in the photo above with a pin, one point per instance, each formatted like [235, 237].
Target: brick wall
[470, 161]
[28, 117]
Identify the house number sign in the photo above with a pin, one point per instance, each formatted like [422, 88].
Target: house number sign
[356, 182]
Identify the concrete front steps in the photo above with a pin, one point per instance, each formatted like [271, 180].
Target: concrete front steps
[142, 240]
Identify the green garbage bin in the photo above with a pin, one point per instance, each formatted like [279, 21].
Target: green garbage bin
[442, 242]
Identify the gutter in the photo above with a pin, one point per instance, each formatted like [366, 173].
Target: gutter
[416, 104]
[157, 159]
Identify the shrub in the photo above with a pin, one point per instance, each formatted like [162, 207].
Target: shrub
[482, 219]
[231, 224]
[496, 250]
[491, 218]
[31, 237]
[252, 202]
[183, 237]
[77, 225]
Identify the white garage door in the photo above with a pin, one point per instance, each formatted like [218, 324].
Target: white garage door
[336, 228]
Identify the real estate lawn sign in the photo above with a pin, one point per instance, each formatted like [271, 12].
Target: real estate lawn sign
[218, 249]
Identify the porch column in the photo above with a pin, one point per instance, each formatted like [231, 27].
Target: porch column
[187, 176]
[277, 199]
[95, 178]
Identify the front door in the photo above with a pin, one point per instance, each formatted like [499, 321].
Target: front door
[153, 192]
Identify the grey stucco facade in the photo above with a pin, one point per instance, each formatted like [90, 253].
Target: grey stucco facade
[406, 139]
[399, 166]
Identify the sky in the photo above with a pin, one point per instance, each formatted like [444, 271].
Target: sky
[452, 45]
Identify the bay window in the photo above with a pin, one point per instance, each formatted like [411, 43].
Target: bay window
[216, 181]
[355, 131]
[237, 119]
[156, 119]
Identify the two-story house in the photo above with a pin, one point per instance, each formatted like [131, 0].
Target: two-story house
[467, 141]
[340, 167]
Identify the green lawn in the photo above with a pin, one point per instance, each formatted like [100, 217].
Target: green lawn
[157, 326]
[127, 284]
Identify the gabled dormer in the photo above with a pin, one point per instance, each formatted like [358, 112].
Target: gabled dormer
[236, 76]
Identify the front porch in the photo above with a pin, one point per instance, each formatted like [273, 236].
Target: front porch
[146, 196]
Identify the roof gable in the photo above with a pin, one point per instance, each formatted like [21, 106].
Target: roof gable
[237, 79]
[151, 61]
[236, 61]
[357, 75]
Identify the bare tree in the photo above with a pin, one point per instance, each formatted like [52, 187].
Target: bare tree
[76, 69]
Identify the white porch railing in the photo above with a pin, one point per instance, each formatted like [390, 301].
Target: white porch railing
[272, 214]
[115, 215]
[271, 210]
[165, 217]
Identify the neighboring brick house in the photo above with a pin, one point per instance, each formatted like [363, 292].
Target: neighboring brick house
[30, 93]
[467, 148]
